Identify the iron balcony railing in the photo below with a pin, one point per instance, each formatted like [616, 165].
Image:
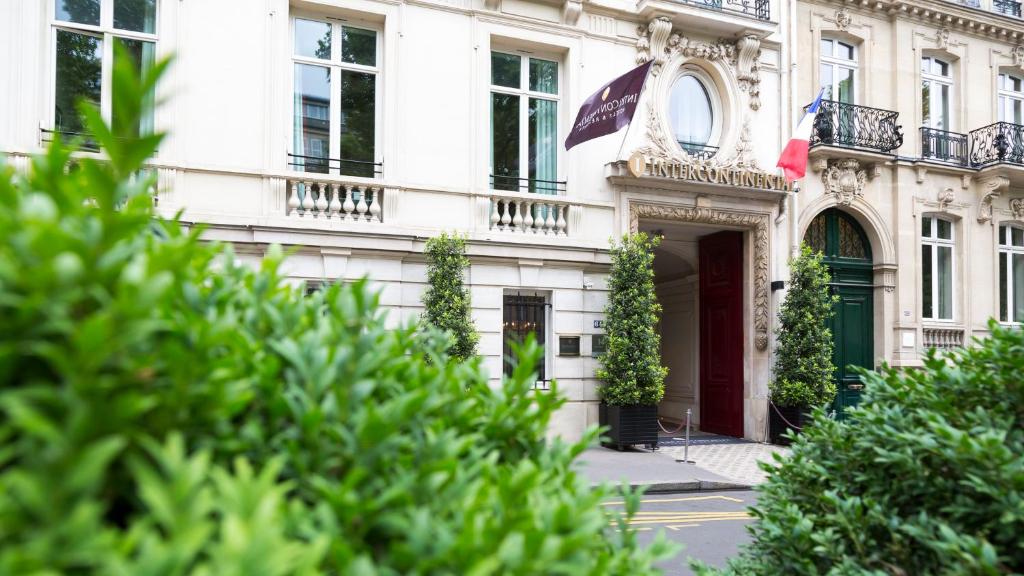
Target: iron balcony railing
[701, 151]
[999, 142]
[517, 184]
[343, 166]
[1008, 7]
[944, 146]
[852, 126]
[754, 8]
[970, 3]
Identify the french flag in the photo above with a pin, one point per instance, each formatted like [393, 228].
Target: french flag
[793, 160]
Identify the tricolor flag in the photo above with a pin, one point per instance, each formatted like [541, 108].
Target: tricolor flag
[793, 160]
[609, 109]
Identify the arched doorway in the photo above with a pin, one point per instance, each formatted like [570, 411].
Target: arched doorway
[848, 255]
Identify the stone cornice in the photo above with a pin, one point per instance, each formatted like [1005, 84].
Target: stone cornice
[942, 14]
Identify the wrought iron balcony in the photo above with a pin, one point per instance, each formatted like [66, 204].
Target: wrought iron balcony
[344, 166]
[516, 184]
[700, 151]
[1008, 7]
[995, 143]
[754, 8]
[944, 146]
[852, 126]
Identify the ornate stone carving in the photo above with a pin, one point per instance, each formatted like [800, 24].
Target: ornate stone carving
[652, 42]
[571, 11]
[842, 19]
[1017, 208]
[1018, 56]
[945, 198]
[992, 188]
[845, 180]
[756, 223]
[748, 54]
[942, 38]
[886, 277]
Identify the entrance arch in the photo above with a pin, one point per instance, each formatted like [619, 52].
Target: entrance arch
[847, 252]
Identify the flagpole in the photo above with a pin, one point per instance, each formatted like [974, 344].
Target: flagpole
[794, 217]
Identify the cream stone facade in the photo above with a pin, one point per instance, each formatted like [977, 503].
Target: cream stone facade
[233, 161]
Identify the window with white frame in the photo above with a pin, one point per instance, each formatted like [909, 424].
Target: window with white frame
[83, 36]
[936, 93]
[1011, 98]
[524, 123]
[937, 245]
[524, 315]
[335, 97]
[838, 70]
[1011, 274]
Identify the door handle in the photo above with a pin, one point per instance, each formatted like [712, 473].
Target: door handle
[854, 386]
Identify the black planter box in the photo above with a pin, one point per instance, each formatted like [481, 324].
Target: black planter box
[777, 426]
[629, 425]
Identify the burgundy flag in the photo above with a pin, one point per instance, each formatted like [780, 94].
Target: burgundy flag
[609, 109]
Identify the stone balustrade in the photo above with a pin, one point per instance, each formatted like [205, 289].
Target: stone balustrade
[532, 214]
[318, 198]
[942, 338]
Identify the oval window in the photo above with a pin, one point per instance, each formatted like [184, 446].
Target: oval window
[691, 113]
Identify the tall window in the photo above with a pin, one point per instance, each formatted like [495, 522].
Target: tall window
[936, 88]
[838, 69]
[334, 107]
[524, 123]
[936, 268]
[83, 35]
[524, 315]
[1011, 98]
[692, 114]
[1011, 274]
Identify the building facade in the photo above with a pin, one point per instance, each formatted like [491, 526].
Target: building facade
[353, 130]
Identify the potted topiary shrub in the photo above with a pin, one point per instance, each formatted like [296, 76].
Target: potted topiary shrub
[803, 360]
[446, 304]
[631, 371]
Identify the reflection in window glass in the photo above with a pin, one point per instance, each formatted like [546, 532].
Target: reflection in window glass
[135, 15]
[505, 141]
[78, 77]
[79, 11]
[926, 281]
[691, 112]
[945, 281]
[543, 142]
[313, 39]
[505, 69]
[142, 55]
[937, 268]
[358, 123]
[311, 120]
[543, 76]
[358, 46]
[1011, 274]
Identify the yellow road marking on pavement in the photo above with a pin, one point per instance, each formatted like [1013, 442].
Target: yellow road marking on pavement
[688, 499]
[678, 526]
[688, 518]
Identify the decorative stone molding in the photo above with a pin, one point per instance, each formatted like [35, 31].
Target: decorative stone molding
[945, 198]
[845, 179]
[661, 147]
[571, 11]
[756, 223]
[885, 276]
[843, 19]
[942, 38]
[1017, 208]
[992, 188]
[651, 44]
[1017, 53]
[494, 5]
[748, 54]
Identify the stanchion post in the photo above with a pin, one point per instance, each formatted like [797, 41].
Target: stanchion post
[686, 442]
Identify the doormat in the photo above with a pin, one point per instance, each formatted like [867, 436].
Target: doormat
[701, 441]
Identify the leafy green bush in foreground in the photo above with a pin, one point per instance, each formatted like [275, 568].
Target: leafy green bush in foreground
[926, 477]
[165, 410]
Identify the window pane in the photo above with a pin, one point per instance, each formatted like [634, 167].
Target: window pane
[1003, 286]
[80, 11]
[925, 65]
[943, 111]
[826, 80]
[313, 39]
[846, 85]
[311, 118]
[543, 145]
[505, 141]
[1002, 236]
[845, 51]
[850, 242]
[358, 123]
[358, 46]
[945, 282]
[136, 15]
[826, 48]
[78, 77]
[523, 315]
[505, 69]
[1018, 236]
[926, 227]
[691, 113]
[926, 281]
[945, 229]
[543, 76]
[926, 103]
[142, 55]
[1018, 288]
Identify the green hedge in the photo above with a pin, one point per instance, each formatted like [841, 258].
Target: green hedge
[446, 302]
[925, 477]
[165, 410]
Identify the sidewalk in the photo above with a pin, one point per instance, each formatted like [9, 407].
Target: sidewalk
[722, 463]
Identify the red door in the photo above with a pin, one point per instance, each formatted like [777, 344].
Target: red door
[721, 333]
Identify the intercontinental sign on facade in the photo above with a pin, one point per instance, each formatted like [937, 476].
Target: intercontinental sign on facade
[641, 165]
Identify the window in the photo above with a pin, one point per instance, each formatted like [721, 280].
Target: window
[936, 87]
[83, 36]
[692, 114]
[1011, 98]
[1011, 274]
[524, 315]
[335, 98]
[936, 268]
[524, 123]
[838, 68]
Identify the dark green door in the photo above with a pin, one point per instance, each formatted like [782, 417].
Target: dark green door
[848, 255]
